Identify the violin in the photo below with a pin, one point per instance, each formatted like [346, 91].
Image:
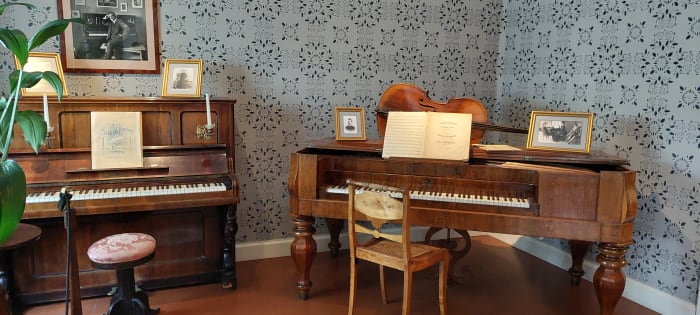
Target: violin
[410, 98]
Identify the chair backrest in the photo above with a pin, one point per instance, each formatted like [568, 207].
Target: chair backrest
[376, 205]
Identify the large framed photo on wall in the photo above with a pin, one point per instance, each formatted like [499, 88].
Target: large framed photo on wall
[117, 37]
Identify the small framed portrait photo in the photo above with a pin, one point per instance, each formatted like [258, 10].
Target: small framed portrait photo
[560, 131]
[349, 123]
[41, 61]
[182, 77]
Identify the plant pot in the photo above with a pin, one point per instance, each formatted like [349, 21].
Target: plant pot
[13, 193]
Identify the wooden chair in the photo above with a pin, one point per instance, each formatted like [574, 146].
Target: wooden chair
[376, 205]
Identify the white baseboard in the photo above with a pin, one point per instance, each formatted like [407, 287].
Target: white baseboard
[635, 291]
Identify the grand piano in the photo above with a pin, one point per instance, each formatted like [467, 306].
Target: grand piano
[185, 195]
[583, 198]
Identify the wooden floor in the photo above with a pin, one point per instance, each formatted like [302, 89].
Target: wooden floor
[499, 279]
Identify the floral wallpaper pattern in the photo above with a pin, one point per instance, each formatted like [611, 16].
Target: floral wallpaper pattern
[289, 63]
[636, 65]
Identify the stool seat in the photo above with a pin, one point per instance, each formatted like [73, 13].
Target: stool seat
[122, 252]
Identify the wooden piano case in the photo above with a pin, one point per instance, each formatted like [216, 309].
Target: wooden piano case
[195, 232]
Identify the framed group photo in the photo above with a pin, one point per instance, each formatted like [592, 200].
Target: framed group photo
[349, 123]
[41, 61]
[560, 131]
[116, 37]
[182, 77]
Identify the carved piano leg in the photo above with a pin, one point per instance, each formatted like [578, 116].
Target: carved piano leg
[229, 277]
[578, 252]
[334, 228]
[303, 251]
[608, 279]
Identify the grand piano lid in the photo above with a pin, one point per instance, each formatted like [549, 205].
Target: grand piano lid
[476, 153]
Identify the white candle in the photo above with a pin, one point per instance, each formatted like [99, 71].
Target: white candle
[46, 111]
[208, 110]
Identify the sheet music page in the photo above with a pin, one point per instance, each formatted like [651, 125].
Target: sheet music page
[116, 140]
[404, 134]
[448, 136]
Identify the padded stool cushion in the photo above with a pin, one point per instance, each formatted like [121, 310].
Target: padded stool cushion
[121, 248]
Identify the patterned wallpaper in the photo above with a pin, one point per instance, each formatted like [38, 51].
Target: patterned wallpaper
[289, 63]
[635, 65]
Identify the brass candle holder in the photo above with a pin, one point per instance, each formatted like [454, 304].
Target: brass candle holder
[205, 131]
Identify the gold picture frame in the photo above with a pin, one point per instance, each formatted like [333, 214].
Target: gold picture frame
[349, 123]
[42, 61]
[560, 131]
[182, 77]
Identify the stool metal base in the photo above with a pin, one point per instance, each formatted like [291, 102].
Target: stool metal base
[128, 301]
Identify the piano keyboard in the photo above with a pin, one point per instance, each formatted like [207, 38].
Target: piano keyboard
[444, 197]
[126, 192]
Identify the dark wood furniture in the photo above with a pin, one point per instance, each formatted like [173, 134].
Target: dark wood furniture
[195, 231]
[23, 235]
[581, 198]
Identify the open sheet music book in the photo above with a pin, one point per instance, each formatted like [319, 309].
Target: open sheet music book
[430, 135]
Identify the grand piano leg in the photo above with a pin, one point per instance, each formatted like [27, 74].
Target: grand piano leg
[578, 252]
[229, 277]
[303, 251]
[334, 228]
[608, 279]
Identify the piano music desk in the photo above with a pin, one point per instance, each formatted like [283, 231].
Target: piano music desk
[583, 198]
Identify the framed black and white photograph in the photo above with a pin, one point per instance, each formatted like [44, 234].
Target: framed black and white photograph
[113, 39]
[560, 131]
[107, 3]
[182, 77]
[41, 61]
[349, 123]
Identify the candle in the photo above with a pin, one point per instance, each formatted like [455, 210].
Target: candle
[46, 111]
[208, 110]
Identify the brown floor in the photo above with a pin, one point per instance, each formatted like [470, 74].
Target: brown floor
[499, 280]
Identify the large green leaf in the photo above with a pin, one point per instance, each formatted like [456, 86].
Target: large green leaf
[49, 30]
[54, 81]
[16, 42]
[30, 79]
[13, 194]
[7, 5]
[34, 128]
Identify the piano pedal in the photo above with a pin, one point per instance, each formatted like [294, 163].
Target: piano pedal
[113, 291]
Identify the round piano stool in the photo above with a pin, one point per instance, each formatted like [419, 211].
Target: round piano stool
[122, 252]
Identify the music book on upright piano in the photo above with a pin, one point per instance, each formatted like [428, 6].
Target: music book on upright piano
[116, 140]
[430, 135]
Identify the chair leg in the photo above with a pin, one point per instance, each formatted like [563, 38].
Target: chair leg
[382, 284]
[407, 286]
[444, 275]
[353, 286]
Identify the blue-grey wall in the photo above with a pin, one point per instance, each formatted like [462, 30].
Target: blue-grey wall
[635, 64]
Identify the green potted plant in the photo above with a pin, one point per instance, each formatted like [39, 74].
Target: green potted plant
[13, 184]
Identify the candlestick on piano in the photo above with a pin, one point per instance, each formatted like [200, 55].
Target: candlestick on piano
[49, 128]
[209, 124]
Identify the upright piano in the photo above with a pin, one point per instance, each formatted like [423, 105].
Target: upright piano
[185, 195]
[583, 198]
